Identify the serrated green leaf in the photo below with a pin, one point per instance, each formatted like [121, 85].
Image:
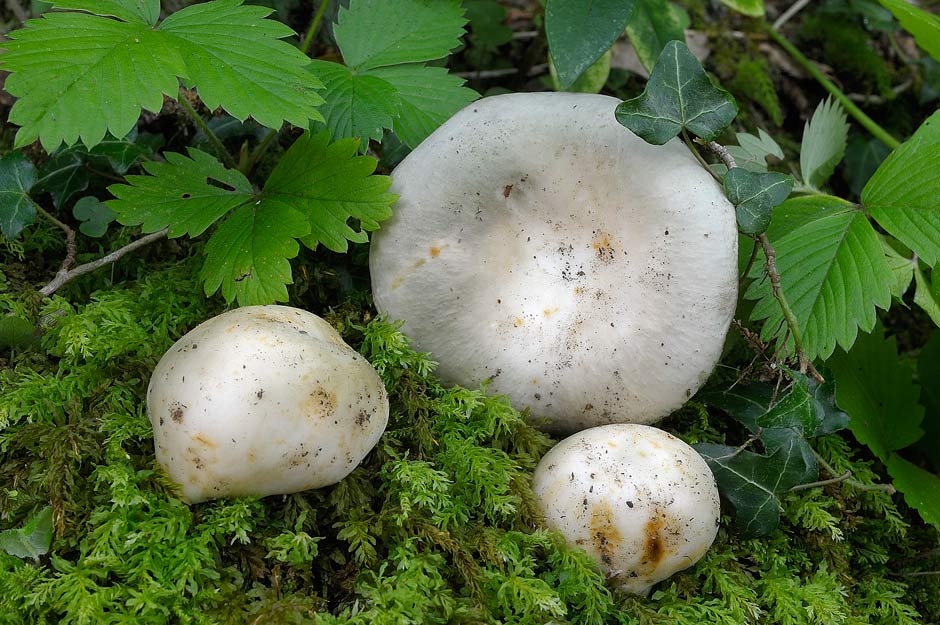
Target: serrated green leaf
[187, 195]
[679, 95]
[927, 295]
[17, 209]
[824, 140]
[429, 97]
[754, 196]
[751, 482]
[79, 76]
[579, 33]
[248, 257]
[921, 488]
[752, 8]
[376, 33]
[32, 540]
[652, 25]
[751, 153]
[833, 273]
[902, 268]
[923, 25]
[878, 393]
[357, 105]
[329, 184]
[93, 215]
[143, 11]
[904, 193]
[487, 23]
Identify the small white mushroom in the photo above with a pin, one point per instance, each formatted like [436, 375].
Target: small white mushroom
[263, 400]
[538, 244]
[640, 501]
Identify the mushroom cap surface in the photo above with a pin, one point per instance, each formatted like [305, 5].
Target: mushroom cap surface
[643, 503]
[538, 244]
[263, 400]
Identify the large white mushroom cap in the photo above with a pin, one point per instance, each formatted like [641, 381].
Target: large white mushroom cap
[540, 245]
[643, 503]
[263, 400]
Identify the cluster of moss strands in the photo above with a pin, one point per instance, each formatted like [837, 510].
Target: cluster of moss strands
[437, 526]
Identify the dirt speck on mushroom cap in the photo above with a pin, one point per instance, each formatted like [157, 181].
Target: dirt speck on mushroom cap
[606, 274]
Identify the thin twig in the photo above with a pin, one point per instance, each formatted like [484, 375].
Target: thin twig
[701, 161]
[753, 437]
[787, 15]
[770, 265]
[833, 480]
[877, 99]
[918, 573]
[204, 127]
[535, 70]
[867, 122]
[722, 153]
[888, 488]
[70, 248]
[66, 275]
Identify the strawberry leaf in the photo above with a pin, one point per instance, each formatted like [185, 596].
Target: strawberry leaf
[79, 76]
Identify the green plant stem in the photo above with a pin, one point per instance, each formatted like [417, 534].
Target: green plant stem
[305, 48]
[314, 24]
[888, 488]
[698, 157]
[204, 127]
[867, 122]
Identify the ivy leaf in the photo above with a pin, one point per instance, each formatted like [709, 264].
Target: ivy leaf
[679, 95]
[824, 141]
[751, 482]
[143, 11]
[903, 195]
[376, 33]
[832, 269]
[879, 394]
[429, 97]
[17, 209]
[924, 26]
[187, 195]
[357, 105]
[93, 215]
[652, 25]
[63, 63]
[579, 33]
[920, 487]
[16, 332]
[754, 196]
[32, 540]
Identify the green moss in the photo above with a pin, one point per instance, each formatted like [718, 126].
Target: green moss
[437, 526]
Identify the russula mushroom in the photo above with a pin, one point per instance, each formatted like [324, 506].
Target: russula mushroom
[640, 501]
[539, 245]
[263, 400]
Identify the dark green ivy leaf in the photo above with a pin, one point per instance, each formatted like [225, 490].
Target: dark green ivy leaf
[751, 482]
[17, 209]
[16, 332]
[32, 540]
[755, 195]
[679, 95]
[579, 33]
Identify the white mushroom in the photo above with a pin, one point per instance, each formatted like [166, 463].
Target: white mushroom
[540, 245]
[263, 400]
[640, 501]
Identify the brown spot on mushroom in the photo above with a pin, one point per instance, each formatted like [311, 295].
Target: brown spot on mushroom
[518, 322]
[548, 312]
[204, 440]
[654, 545]
[176, 413]
[319, 403]
[363, 418]
[605, 537]
[435, 251]
[507, 190]
[603, 246]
